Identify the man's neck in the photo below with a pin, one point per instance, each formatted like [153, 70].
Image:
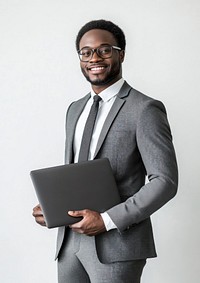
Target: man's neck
[99, 88]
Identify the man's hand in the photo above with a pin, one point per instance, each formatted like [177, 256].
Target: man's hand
[38, 214]
[92, 223]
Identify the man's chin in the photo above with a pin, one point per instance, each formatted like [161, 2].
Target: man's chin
[99, 82]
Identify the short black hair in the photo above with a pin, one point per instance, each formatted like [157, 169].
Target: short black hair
[105, 25]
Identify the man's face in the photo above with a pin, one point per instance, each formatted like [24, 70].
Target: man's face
[101, 73]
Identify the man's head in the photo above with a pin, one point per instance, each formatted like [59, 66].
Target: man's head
[104, 25]
[101, 46]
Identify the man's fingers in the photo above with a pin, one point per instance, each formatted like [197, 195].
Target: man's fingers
[40, 220]
[38, 214]
[76, 213]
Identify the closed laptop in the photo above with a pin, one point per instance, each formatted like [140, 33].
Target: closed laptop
[77, 186]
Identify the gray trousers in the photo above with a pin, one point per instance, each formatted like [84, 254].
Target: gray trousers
[78, 263]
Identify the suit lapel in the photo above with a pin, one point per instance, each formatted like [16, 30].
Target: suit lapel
[78, 108]
[119, 101]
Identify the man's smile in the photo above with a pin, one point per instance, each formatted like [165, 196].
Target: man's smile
[96, 69]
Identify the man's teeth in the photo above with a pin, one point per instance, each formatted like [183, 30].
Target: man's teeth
[97, 68]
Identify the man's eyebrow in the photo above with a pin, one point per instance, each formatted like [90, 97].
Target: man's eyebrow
[103, 44]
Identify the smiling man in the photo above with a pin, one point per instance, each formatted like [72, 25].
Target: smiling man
[100, 73]
[132, 130]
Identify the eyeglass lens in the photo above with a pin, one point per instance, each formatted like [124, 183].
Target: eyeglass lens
[104, 52]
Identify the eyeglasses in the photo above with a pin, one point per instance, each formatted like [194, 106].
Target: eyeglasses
[104, 52]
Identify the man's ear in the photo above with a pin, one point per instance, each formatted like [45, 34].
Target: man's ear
[122, 55]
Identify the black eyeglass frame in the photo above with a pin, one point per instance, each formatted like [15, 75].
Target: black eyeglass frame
[93, 50]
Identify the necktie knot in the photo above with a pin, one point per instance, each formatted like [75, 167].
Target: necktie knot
[97, 98]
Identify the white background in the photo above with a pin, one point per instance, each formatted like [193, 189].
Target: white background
[40, 76]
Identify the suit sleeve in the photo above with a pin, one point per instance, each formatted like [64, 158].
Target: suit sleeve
[154, 142]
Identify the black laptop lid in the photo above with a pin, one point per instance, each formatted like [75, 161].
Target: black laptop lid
[77, 186]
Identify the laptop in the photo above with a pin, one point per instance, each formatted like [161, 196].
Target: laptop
[77, 186]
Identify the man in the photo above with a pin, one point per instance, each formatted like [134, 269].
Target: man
[132, 130]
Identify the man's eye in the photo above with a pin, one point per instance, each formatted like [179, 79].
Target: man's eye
[105, 50]
[86, 53]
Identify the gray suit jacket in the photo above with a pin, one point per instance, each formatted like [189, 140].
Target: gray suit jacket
[136, 138]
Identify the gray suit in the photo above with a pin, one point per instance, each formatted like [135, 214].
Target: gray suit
[137, 140]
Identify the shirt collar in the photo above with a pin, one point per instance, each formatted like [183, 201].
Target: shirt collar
[111, 91]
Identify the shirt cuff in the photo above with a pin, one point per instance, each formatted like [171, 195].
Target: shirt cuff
[109, 224]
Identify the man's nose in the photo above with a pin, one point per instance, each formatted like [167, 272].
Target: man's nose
[95, 57]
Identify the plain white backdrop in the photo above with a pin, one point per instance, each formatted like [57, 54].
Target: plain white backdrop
[40, 76]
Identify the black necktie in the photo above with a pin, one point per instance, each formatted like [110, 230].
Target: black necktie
[88, 130]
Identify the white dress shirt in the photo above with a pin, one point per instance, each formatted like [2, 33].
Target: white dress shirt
[108, 97]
